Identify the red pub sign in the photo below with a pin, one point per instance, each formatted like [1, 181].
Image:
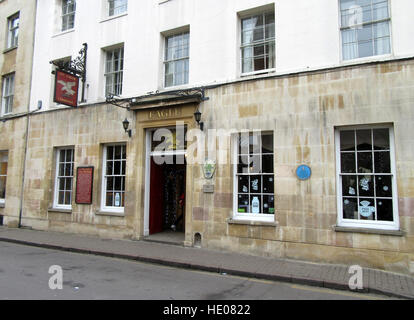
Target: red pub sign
[66, 89]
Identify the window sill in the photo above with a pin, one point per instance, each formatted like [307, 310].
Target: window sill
[113, 17]
[252, 223]
[57, 210]
[397, 233]
[10, 49]
[257, 73]
[63, 33]
[110, 214]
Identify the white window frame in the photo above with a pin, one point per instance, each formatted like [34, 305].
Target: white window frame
[363, 24]
[4, 154]
[263, 42]
[13, 31]
[8, 94]
[56, 204]
[104, 207]
[174, 60]
[248, 216]
[66, 15]
[368, 224]
[122, 8]
[117, 72]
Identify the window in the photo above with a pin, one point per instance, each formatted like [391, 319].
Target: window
[68, 14]
[258, 42]
[114, 166]
[4, 159]
[177, 56]
[366, 178]
[64, 178]
[117, 7]
[365, 28]
[8, 94]
[13, 31]
[254, 176]
[114, 71]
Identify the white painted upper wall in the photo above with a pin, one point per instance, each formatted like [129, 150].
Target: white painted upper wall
[307, 38]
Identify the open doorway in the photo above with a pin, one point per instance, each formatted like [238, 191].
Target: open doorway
[167, 197]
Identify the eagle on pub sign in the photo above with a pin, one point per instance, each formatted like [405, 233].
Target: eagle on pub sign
[66, 89]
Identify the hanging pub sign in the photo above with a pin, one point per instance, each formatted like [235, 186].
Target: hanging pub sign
[66, 89]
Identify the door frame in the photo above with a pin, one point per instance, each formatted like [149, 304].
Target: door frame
[148, 155]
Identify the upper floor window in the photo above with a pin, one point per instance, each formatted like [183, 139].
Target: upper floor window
[68, 14]
[8, 94]
[366, 179]
[117, 7]
[114, 68]
[258, 42]
[4, 159]
[365, 28]
[13, 31]
[177, 57]
[254, 180]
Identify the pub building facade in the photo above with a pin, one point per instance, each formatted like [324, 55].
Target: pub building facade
[226, 131]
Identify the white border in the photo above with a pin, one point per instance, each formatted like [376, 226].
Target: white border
[381, 225]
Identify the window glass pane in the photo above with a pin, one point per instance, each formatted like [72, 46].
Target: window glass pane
[348, 162]
[268, 166]
[385, 210]
[243, 204]
[243, 165]
[255, 184]
[349, 184]
[110, 184]
[365, 162]
[383, 186]
[365, 49]
[243, 184]
[350, 208]
[3, 180]
[382, 162]
[347, 140]
[268, 204]
[367, 209]
[364, 140]
[109, 199]
[366, 186]
[61, 199]
[268, 184]
[256, 204]
[381, 139]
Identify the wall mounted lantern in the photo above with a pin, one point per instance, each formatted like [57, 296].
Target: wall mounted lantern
[197, 116]
[125, 123]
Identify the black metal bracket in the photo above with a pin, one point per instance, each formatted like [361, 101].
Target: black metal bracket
[76, 67]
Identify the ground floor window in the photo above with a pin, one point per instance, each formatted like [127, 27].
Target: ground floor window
[367, 193]
[64, 178]
[114, 168]
[4, 159]
[254, 176]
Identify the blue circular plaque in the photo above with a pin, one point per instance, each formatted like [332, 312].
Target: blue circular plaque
[303, 172]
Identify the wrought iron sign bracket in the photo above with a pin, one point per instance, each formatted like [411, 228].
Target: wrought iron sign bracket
[76, 67]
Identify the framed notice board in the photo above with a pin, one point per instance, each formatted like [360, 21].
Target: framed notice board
[84, 183]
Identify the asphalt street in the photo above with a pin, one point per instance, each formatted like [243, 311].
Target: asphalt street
[24, 275]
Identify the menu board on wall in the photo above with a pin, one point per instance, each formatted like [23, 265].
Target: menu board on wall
[84, 183]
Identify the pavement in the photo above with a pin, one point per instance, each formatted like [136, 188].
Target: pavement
[330, 276]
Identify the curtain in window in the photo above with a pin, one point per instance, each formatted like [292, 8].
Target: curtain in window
[350, 47]
[382, 38]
